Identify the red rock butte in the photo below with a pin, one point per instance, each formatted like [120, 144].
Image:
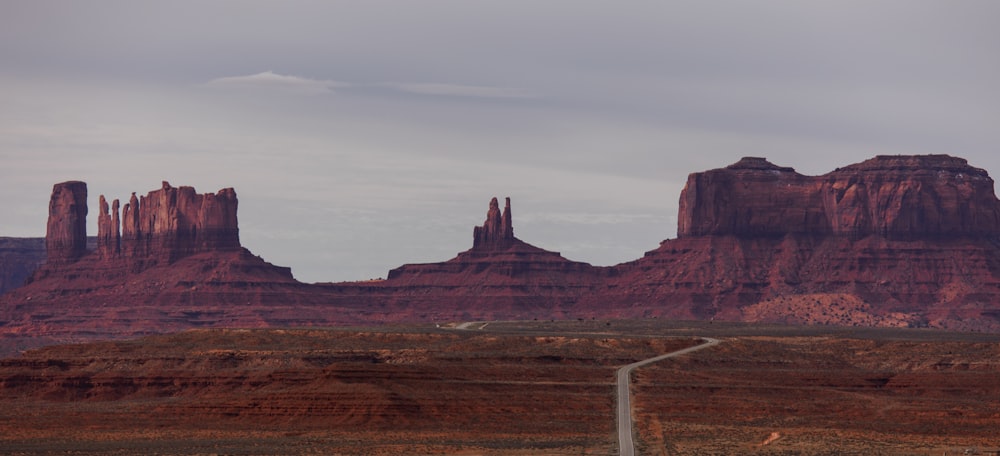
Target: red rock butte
[891, 241]
[170, 223]
[157, 229]
[904, 197]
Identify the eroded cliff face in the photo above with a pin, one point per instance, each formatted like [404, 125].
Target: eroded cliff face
[109, 236]
[907, 197]
[177, 263]
[161, 227]
[171, 223]
[891, 241]
[911, 197]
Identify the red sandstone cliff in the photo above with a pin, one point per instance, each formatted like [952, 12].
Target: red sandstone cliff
[892, 241]
[170, 223]
[497, 232]
[905, 197]
[66, 231]
[178, 264]
[895, 240]
[911, 197]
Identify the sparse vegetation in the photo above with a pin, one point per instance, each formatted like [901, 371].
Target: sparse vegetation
[534, 387]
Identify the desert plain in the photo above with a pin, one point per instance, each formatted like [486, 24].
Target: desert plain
[508, 388]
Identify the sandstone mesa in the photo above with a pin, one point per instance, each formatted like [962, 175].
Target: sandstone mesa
[891, 241]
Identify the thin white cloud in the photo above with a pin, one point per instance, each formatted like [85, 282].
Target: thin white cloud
[269, 80]
[457, 90]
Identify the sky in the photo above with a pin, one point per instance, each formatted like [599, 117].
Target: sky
[363, 135]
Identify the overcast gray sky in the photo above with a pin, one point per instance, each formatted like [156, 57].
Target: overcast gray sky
[361, 135]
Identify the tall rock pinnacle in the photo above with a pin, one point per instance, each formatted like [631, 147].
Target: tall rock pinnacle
[506, 225]
[66, 231]
[108, 232]
[498, 230]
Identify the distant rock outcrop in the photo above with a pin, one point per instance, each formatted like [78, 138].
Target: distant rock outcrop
[171, 223]
[891, 241]
[911, 197]
[897, 197]
[177, 263]
[158, 229]
[66, 231]
[915, 240]
[501, 263]
[497, 232]
[19, 258]
[109, 234]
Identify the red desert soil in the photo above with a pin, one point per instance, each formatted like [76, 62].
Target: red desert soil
[514, 388]
[320, 391]
[823, 395]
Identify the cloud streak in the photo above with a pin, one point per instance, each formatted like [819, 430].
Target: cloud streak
[271, 81]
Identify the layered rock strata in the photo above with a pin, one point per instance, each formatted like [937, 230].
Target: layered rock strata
[175, 262]
[892, 241]
[159, 228]
[171, 223]
[905, 197]
[500, 275]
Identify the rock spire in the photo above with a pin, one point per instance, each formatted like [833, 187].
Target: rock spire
[108, 231]
[66, 230]
[498, 230]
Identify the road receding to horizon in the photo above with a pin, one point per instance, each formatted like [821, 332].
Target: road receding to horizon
[626, 445]
[623, 415]
[511, 389]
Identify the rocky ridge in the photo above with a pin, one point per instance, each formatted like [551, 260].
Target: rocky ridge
[19, 258]
[891, 241]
